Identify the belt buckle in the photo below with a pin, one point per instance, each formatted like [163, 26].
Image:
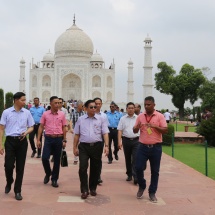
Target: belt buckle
[150, 145]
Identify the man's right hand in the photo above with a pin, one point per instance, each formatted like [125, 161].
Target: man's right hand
[38, 144]
[75, 151]
[1, 151]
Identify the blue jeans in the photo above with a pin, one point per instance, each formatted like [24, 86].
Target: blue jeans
[52, 145]
[153, 154]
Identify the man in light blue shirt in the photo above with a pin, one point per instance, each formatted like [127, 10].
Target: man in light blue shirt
[17, 123]
[113, 119]
[37, 112]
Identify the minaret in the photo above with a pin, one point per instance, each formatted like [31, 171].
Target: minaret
[22, 76]
[147, 80]
[130, 92]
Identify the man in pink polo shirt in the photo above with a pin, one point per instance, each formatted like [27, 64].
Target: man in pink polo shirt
[54, 122]
[152, 125]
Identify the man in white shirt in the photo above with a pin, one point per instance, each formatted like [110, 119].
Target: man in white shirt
[129, 140]
[167, 116]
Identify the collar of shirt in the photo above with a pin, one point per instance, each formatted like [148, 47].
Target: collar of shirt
[13, 109]
[113, 112]
[134, 115]
[154, 113]
[55, 113]
[86, 116]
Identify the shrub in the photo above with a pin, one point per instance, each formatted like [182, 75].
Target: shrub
[207, 129]
[167, 138]
[9, 99]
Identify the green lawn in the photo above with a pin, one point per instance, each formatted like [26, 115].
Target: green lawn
[193, 155]
[180, 127]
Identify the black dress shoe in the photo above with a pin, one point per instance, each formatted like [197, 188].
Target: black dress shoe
[8, 187]
[116, 157]
[93, 193]
[46, 179]
[129, 178]
[84, 195]
[110, 161]
[135, 181]
[100, 181]
[54, 184]
[33, 154]
[38, 156]
[18, 196]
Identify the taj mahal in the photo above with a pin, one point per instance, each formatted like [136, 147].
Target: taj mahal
[75, 71]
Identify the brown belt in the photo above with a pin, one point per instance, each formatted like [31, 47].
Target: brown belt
[54, 135]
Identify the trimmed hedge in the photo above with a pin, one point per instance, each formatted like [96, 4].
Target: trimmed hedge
[167, 138]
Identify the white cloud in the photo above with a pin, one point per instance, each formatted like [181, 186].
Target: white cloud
[123, 6]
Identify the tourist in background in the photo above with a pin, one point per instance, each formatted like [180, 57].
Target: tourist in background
[36, 112]
[167, 116]
[113, 119]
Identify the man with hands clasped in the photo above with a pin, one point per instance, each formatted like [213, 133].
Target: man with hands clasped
[151, 125]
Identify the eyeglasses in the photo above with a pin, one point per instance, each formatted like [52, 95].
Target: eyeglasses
[92, 107]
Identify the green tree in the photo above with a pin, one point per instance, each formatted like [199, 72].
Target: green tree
[9, 100]
[1, 101]
[207, 94]
[182, 87]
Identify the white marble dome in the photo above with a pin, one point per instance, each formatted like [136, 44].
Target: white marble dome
[96, 57]
[22, 61]
[48, 57]
[74, 42]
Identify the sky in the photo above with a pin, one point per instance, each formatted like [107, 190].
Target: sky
[181, 32]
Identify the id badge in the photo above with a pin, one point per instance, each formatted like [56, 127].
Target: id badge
[149, 130]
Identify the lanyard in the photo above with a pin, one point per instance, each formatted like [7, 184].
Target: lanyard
[149, 118]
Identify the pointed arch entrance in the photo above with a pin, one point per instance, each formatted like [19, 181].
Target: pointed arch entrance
[71, 87]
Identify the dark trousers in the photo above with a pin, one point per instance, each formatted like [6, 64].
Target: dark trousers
[31, 139]
[15, 152]
[154, 156]
[130, 149]
[92, 152]
[113, 137]
[100, 169]
[52, 145]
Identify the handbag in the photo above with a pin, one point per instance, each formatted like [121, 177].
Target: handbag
[63, 158]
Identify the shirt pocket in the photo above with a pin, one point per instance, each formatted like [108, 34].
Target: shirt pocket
[97, 128]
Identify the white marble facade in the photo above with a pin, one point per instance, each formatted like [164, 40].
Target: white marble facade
[73, 72]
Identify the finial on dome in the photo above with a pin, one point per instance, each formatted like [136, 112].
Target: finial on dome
[74, 20]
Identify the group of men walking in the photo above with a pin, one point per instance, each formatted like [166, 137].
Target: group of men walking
[140, 136]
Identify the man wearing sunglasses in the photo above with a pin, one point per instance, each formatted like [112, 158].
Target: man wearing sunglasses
[89, 130]
[113, 119]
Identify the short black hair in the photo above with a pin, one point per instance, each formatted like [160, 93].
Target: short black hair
[61, 99]
[52, 98]
[97, 98]
[150, 98]
[18, 95]
[36, 98]
[86, 104]
[138, 105]
[129, 103]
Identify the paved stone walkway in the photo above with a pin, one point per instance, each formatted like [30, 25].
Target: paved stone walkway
[182, 191]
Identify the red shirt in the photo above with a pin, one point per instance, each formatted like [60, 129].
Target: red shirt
[155, 136]
[53, 122]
